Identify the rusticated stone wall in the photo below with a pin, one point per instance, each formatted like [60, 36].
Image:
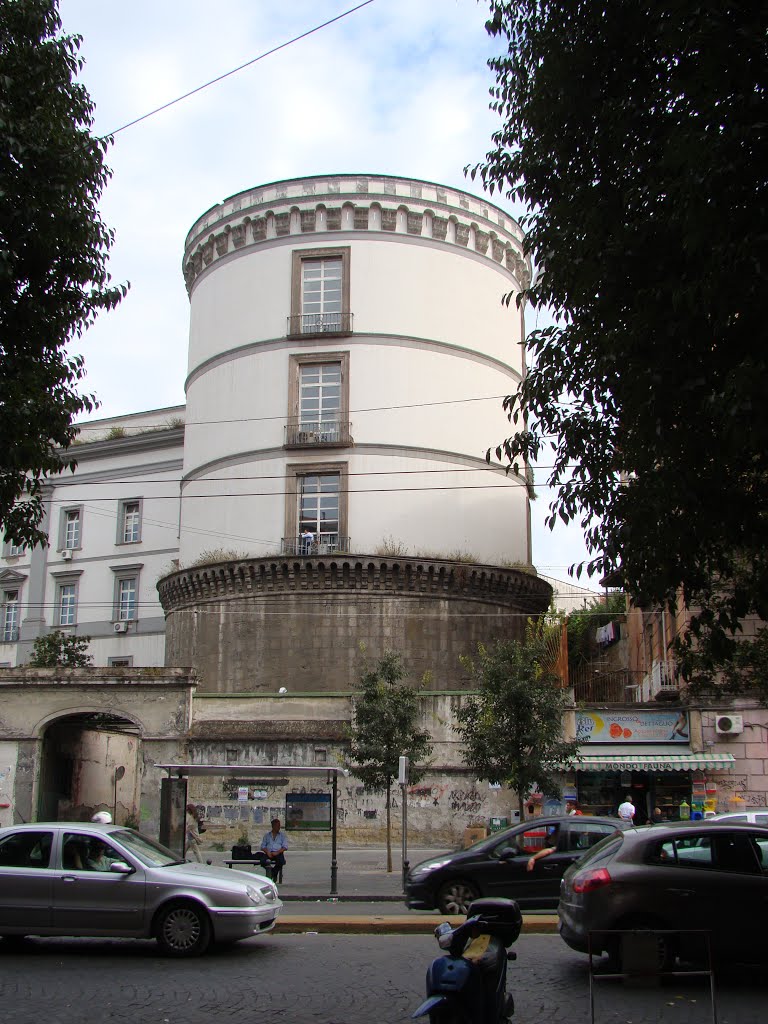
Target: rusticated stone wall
[257, 625]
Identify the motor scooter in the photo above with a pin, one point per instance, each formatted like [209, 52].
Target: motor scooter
[469, 984]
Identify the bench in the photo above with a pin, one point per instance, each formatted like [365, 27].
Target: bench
[261, 862]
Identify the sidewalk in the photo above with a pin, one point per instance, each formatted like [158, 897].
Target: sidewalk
[368, 899]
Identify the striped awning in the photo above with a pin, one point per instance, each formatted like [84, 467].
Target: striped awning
[608, 758]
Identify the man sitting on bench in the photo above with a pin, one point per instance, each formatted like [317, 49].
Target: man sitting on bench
[273, 845]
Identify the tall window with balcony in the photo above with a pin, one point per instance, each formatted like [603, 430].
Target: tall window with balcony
[320, 292]
[10, 616]
[319, 512]
[320, 402]
[321, 295]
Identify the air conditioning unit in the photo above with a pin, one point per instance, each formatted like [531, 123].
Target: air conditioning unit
[729, 725]
[66, 554]
[120, 627]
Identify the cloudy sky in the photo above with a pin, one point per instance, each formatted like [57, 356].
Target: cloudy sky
[397, 87]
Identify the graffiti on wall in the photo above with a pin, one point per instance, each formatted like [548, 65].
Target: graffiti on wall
[440, 804]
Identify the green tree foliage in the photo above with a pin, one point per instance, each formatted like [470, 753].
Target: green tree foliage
[384, 727]
[59, 648]
[512, 729]
[633, 134]
[53, 249]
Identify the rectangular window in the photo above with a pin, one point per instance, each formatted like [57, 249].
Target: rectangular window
[120, 662]
[130, 522]
[67, 604]
[320, 400]
[316, 509]
[10, 616]
[126, 599]
[72, 520]
[319, 507]
[320, 292]
[321, 295]
[13, 550]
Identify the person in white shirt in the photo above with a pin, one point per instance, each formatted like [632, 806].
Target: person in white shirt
[627, 810]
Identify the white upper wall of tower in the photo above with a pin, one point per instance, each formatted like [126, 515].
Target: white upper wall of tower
[411, 323]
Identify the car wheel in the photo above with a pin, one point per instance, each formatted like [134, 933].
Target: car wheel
[666, 946]
[454, 897]
[183, 929]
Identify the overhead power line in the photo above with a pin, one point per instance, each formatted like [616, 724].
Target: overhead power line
[283, 417]
[234, 71]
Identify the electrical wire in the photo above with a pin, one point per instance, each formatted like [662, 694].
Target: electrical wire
[284, 418]
[234, 71]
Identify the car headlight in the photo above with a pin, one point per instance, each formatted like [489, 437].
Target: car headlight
[422, 870]
[254, 895]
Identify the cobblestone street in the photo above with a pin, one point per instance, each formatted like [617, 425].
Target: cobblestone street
[324, 979]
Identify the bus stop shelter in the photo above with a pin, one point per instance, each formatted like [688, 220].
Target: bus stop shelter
[173, 795]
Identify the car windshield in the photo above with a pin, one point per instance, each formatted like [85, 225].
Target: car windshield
[149, 852]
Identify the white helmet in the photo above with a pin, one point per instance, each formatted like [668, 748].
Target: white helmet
[102, 818]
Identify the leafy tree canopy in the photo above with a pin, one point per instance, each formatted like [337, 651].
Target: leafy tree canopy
[53, 249]
[633, 134]
[512, 728]
[59, 648]
[384, 727]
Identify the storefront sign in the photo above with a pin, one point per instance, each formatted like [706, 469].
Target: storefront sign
[629, 727]
[639, 765]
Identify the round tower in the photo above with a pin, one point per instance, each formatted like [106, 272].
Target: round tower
[349, 349]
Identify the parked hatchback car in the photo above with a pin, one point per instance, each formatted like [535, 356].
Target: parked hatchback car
[69, 878]
[498, 865]
[705, 876]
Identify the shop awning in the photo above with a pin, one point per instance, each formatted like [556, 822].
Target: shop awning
[608, 758]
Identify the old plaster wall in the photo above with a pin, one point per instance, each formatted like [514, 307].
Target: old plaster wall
[311, 732]
[156, 702]
[8, 753]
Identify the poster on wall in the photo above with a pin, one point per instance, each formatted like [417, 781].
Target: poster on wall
[308, 811]
[629, 727]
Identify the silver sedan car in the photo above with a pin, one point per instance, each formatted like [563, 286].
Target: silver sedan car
[71, 878]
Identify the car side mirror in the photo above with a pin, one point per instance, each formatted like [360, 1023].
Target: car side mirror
[119, 867]
[509, 852]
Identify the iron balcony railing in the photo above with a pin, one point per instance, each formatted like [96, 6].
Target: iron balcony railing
[595, 685]
[321, 544]
[320, 323]
[301, 433]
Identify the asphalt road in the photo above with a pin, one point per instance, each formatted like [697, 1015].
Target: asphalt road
[325, 979]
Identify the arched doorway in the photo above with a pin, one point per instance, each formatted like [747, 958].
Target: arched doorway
[80, 768]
